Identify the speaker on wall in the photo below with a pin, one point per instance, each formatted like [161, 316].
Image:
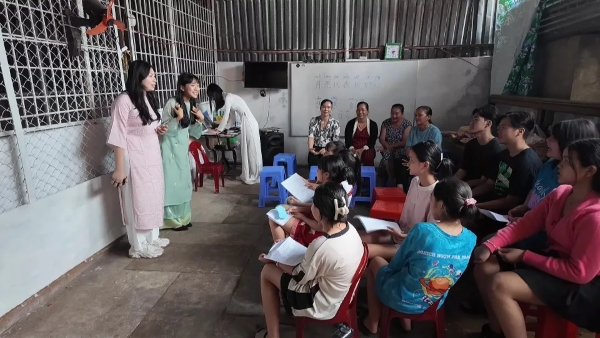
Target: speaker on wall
[271, 144]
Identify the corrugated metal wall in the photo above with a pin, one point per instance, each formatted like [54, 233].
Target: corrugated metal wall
[277, 29]
[563, 18]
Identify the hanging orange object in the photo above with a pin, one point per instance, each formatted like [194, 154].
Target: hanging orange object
[107, 21]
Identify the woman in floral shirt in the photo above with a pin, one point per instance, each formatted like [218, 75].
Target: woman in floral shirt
[321, 130]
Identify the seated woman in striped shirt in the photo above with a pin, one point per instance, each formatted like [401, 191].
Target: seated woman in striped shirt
[316, 287]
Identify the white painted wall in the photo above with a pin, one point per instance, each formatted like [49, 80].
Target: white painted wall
[269, 111]
[44, 240]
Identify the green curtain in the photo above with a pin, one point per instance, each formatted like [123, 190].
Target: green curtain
[520, 80]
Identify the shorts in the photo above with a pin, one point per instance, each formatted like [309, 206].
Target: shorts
[578, 303]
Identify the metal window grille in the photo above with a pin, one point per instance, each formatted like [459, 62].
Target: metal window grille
[54, 110]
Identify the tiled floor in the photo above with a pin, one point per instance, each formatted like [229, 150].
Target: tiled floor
[205, 285]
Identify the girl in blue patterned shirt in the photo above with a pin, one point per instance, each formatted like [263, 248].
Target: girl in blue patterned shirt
[428, 263]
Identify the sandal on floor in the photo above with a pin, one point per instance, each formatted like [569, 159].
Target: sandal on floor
[363, 328]
[487, 332]
[261, 333]
[189, 225]
[181, 228]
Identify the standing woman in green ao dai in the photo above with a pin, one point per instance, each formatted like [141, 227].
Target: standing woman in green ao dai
[183, 117]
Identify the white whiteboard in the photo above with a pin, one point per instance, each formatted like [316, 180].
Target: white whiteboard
[384, 83]
[346, 84]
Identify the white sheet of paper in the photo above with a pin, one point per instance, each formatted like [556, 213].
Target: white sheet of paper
[288, 252]
[373, 224]
[272, 214]
[494, 216]
[296, 186]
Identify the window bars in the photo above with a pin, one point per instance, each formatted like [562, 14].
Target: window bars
[63, 104]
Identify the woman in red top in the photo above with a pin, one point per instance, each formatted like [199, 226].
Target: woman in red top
[566, 277]
[361, 135]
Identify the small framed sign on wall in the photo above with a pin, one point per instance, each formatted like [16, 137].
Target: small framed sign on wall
[393, 51]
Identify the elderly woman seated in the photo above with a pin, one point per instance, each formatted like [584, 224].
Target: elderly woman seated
[322, 130]
[361, 135]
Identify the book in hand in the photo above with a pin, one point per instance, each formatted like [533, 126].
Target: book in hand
[373, 224]
[296, 186]
[287, 251]
[493, 215]
[279, 215]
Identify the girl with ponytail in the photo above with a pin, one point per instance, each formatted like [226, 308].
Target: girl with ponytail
[427, 163]
[430, 261]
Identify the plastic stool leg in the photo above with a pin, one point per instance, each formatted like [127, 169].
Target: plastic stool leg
[261, 194]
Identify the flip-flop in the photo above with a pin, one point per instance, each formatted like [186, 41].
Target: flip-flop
[261, 333]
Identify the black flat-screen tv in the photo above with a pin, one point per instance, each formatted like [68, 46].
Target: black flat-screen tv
[266, 74]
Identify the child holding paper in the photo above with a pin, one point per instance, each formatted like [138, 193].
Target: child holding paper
[428, 263]
[427, 163]
[301, 226]
[317, 286]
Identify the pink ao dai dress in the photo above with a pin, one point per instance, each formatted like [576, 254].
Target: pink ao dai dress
[142, 197]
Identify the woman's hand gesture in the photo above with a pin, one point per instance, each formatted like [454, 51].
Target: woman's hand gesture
[178, 112]
[162, 129]
[293, 201]
[511, 255]
[517, 212]
[311, 186]
[118, 179]
[397, 233]
[198, 114]
[262, 258]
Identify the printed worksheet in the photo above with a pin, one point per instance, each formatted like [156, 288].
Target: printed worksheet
[288, 252]
[494, 216]
[296, 186]
[275, 215]
[373, 224]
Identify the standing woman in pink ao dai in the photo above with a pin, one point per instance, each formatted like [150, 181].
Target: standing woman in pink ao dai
[135, 123]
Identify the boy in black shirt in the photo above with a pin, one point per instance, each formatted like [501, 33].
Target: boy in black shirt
[518, 166]
[480, 156]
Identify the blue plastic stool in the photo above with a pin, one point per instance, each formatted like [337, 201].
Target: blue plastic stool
[371, 174]
[272, 176]
[289, 160]
[313, 173]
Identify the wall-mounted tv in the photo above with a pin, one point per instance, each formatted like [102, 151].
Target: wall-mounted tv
[266, 74]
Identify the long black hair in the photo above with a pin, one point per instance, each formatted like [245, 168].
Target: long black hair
[454, 194]
[588, 154]
[138, 71]
[354, 163]
[336, 168]
[183, 80]
[335, 146]
[324, 198]
[429, 151]
[215, 94]
[565, 132]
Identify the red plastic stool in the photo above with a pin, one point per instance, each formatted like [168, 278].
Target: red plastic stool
[550, 325]
[386, 210]
[529, 311]
[432, 314]
[388, 194]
